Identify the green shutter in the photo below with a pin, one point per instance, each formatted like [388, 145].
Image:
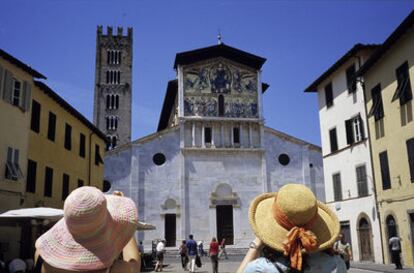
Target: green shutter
[8, 85]
[1, 80]
[26, 96]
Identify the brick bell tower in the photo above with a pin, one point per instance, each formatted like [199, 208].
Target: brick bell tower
[113, 85]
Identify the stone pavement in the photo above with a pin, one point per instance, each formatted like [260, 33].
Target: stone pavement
[386, 268]
[173, 264]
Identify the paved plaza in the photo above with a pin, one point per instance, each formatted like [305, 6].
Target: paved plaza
[231, 265]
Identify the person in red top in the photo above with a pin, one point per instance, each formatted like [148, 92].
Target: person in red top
[213, 253]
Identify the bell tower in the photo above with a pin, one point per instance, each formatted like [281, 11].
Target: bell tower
[113, 85]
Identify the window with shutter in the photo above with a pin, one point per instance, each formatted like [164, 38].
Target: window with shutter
[13, 170]
[385, 172]
[27, 96]
[403, 91]
[333, 140]
[17, 93]
[80, 183]
[31, 176]
[82, 142]
[8, 86]
[377, 109]
[51, 129]
[410, 152]
[65, 186]
[328, 95]
[35, 118]
[350, 79]
[48, 182]
[349, 132]
[98, 158]
[337, 187]
[68, 137]
[362, 184]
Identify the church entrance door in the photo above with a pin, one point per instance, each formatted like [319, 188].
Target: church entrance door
[170, 229]
[225, 223]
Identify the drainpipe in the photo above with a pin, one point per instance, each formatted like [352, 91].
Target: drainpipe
[361, 81]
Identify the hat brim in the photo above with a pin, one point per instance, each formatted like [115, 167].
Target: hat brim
[60, 249]
[326, 226]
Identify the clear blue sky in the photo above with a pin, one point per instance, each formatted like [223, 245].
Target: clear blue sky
[299, 39]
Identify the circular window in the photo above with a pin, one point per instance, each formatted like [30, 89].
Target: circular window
[106, 186]
[158, 159]
[284, 159]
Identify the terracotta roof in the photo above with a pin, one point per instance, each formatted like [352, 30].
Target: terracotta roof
[354, 50]
[220, 50]
[389, 42]
[48, 91]
[21, 65]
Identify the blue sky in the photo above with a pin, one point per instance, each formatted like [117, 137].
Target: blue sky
[300, 40]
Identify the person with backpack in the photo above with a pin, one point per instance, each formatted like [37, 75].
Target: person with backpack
[184, 254]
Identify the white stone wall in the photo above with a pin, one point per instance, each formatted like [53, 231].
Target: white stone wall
[346, 160]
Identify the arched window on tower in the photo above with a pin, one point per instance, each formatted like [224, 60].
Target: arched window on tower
[112, 102]
[118, 77]
[108, 102]
[107, 76]
[221, 105]
[116, 101]
[107, 123]
[115, 123]
[114, 142]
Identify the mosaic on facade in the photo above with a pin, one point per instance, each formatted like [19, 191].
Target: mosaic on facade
[205, 83]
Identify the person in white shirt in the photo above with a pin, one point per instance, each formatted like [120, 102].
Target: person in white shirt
[395, 247]
[160, 249]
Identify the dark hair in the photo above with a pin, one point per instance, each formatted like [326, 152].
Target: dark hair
[214, 239]
[183, 241]
[273, 256]
[191, 236]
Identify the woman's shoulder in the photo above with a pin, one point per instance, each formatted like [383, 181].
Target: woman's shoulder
[324, 263]
[261, 265]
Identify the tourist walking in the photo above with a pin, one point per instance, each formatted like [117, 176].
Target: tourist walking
[184, 254]
[192, 252]
[343, 249]
[94, 231]
[213, 253]
[223, 249]
[294, 233]
[395, 247]
[160, 249]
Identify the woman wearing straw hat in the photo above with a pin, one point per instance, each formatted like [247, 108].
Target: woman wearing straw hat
[94, 231]
[294, 232]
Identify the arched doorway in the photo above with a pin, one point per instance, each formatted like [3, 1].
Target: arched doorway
[224, 200]
[170, 224]
[365, 241]
[391, 231]
[391, 226]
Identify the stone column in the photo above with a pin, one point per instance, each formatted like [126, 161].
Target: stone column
[212, 135]
[241, 135]
[203, 143]
[193, 134]
[231, 135]
[250, 136]
[222, 135]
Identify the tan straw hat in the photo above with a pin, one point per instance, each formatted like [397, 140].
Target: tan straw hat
[293, 221]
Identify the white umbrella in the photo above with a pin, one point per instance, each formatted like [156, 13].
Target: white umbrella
[145, 226]
[33, 213]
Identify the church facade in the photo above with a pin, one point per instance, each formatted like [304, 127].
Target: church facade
[212, 153]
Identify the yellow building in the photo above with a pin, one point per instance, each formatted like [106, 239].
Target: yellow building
[16, 85]
[47, 149]
[65, 150]
[389, 76]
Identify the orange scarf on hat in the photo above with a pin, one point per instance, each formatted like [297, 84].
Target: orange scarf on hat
[297, 239]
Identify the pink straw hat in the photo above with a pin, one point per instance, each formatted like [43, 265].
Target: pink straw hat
[93, 232]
